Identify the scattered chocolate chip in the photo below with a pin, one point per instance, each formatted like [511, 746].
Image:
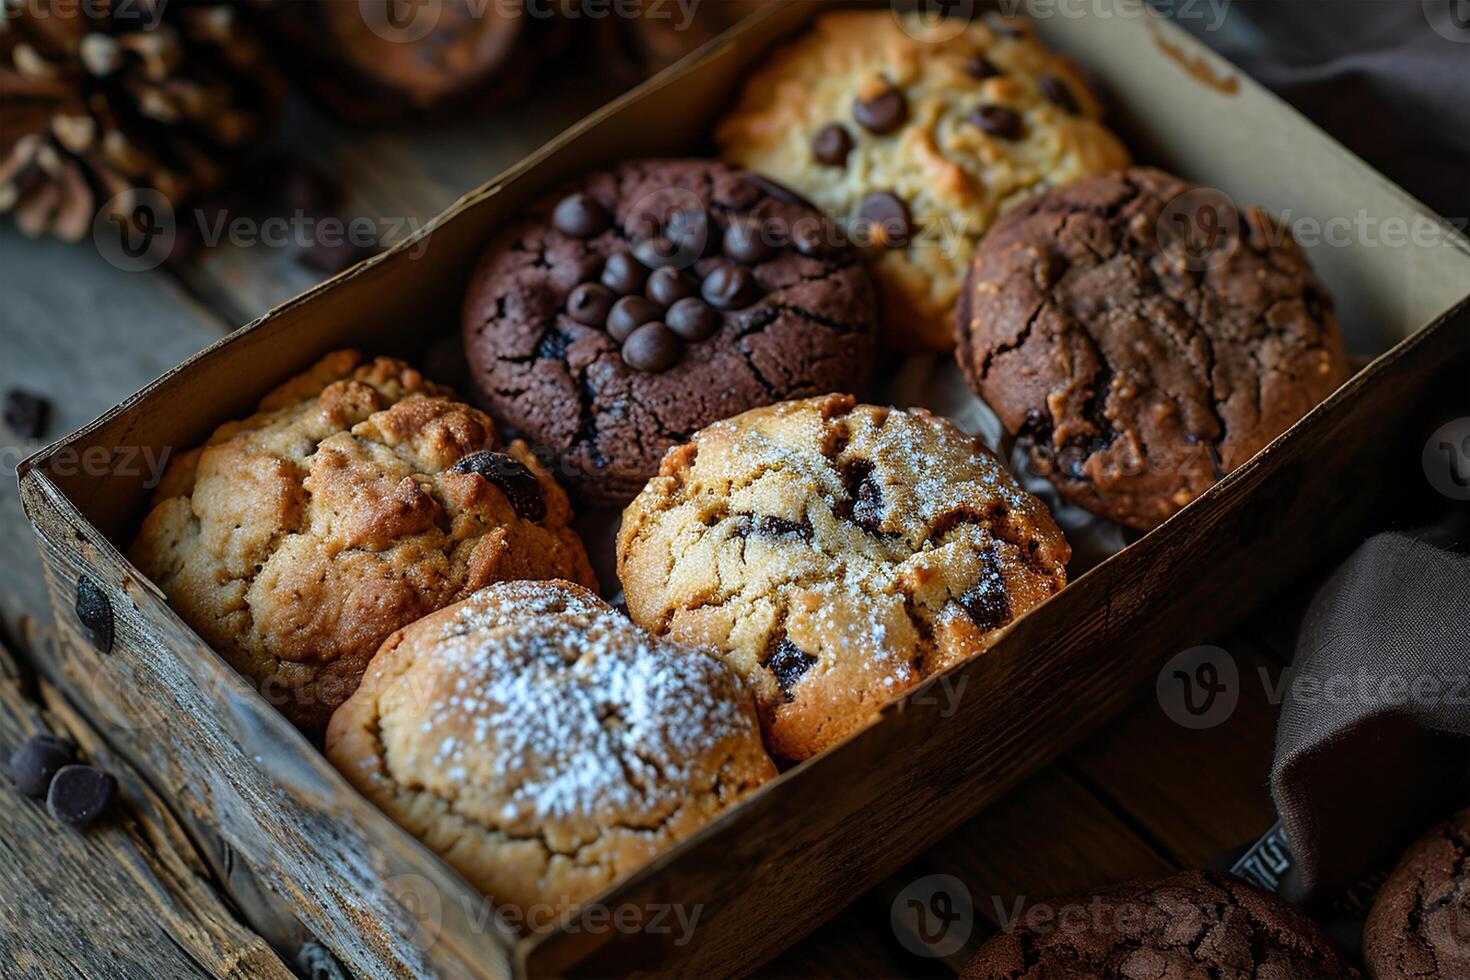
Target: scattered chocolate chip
[79, 794]
[883, 113]
[514, 479]
[25, 413]
[832, 144]
[659, 253]
[37, 760]
[667, 286]
[628, 314]
[1059, 92]
[580, 216]
[590, 304]
[623, 275]
[692, 319]
[998, 120]
[745, 242]
[651, 348]
[729, 287]
[987, 603]
[789, 664]
[94, 612]
[887, 219]
[979, 66]
[331, 258]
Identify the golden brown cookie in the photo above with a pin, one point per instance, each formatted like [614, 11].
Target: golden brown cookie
[918, 133]
[835, 555]
[359, 498]
[544, 745]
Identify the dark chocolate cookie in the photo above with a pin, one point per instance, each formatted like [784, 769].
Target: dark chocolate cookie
[1143, 339]
[1168, 927]
[636, 307]
[1420, 923]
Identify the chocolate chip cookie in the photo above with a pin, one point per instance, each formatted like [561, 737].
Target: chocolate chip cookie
[1420, 923]
[918, 132]
[544, 745]
[359, 498]
[1142, 339]
[1166, 927]
[642, 303]
[835, 554]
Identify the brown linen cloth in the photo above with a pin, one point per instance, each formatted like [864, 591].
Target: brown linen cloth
[1373, 743]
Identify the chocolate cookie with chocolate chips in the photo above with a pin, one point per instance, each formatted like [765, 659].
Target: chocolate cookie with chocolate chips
[1142, 338]
[835, 555]
[1420, 923]
[1168, 927]
[641, 304]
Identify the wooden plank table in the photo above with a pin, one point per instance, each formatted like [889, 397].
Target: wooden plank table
[137, 898]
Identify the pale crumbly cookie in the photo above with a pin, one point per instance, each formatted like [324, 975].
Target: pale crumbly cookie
[359, 498]
[1420, 923]
[544, 745]
[918, 134]
[835, 555]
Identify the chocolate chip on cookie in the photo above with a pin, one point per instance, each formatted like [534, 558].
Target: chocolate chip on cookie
[853, 551]
[997, 120]
[512, 477]
[887, 218]
[1135, 377]
[832, 144]
[710, 290]
[1058, 91]
[883, 113]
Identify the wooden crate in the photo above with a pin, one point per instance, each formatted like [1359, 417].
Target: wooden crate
[302, 843]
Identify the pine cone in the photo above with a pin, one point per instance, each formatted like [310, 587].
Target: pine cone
[100, 98]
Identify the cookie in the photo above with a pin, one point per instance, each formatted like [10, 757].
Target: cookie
[637, 306]
[1165, 927]
[359, 498]
[917, 133]
[544, 745]
[836, 555]
[1420, 922]
[1135, 365]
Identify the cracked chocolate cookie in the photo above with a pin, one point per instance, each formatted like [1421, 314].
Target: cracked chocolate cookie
[1138, 363]
[545, 746]
[835, 554]
[917, 132]
[1191, 924]
[359, 498]
[1420, 923]
[643, 303]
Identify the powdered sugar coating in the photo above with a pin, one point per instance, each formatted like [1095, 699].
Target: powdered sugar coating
[543, 743]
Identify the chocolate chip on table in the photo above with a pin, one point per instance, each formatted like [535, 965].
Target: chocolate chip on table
[981, 67]
[745, 242]
[580, 216]
[651, 348]
[887, 219]
[25, 413]
[882, 114]
[1059, 92]
[79, 794]
[729, 287]
[998, 120]
[630, 313]
[94, 613]
[832, 144]
[590, 304]
[667, 286]
[37, 760]
[692, 319]
[789, 664]
[514, 479]
[623, 275]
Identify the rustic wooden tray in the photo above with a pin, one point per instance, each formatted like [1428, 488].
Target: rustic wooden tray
[296, 844]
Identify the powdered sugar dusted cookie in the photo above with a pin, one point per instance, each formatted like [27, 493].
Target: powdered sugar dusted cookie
[544, 745]
[836, 555]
